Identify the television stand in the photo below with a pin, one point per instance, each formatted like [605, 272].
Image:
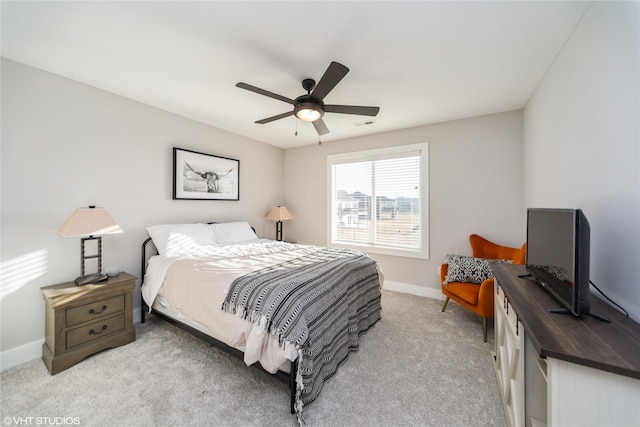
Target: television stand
[590, 314]
[559, 370]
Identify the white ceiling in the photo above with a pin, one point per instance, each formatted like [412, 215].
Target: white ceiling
[420, 62]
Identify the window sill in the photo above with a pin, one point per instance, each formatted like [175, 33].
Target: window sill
[404, 253]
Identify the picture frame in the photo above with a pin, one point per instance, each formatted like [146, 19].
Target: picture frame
[201, 176]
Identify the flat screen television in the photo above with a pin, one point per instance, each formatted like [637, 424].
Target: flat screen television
[557, 255]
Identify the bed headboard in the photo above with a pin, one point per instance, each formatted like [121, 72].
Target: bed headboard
[148, 250]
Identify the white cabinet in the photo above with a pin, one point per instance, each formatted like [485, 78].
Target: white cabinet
[581, 396]
[509, 359]
[560, 371]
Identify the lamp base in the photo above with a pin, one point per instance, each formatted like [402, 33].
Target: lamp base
[91, 279]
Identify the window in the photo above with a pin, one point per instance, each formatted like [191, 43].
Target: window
[378, 200]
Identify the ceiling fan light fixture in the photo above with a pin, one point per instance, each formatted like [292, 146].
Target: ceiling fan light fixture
[308, 112]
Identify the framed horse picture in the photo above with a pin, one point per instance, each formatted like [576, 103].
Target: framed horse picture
[200, 176]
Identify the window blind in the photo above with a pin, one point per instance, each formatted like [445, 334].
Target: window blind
[376, 199]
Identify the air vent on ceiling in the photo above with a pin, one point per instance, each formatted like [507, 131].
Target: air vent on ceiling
[365, 123]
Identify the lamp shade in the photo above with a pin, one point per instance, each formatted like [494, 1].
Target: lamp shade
[279, 213]
[89, 221]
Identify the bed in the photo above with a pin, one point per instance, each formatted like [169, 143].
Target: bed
[295, 311]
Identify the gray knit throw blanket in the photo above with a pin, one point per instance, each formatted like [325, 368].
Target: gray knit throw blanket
[320, 302]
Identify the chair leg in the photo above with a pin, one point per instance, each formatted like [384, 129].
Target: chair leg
[445, 304]
[484, 328]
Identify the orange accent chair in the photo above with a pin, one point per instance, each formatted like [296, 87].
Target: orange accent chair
[479, 297]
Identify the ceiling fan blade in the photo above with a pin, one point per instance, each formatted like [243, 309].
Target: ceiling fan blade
[257, 90]
[329, 80]
[352, 109]
[278, 117]
[321, 128]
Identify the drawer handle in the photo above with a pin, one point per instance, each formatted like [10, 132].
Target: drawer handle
[92, 311]
[92, 332]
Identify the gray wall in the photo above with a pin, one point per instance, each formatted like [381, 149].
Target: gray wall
[66, 145]
[582, 142]
[475, 182]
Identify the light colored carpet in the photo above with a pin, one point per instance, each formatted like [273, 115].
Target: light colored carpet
[417, 366]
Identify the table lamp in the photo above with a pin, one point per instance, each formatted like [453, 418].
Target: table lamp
[89, 222]
[279, 214]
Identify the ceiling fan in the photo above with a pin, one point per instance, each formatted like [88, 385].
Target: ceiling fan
[310, 107]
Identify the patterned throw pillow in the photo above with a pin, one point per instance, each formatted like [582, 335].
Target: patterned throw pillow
[468, 269]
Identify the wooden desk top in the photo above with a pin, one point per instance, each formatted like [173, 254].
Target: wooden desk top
[613, 347]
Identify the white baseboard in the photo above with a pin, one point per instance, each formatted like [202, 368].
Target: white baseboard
[19, 355]
[27, 352]
[137, 312]
[406, 288]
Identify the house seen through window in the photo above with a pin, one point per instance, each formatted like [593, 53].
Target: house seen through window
[378, 198]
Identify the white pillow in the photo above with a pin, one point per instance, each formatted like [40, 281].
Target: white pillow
[171, 239]
[232, 232]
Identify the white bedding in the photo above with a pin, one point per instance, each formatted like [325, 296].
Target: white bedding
[195, 284]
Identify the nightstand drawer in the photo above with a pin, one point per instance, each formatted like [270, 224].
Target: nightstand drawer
[83, 320]
[95, 330]
[94, 310]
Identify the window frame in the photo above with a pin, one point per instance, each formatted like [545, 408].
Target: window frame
[423, 251]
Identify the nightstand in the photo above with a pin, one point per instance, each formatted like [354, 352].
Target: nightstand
[83, 320]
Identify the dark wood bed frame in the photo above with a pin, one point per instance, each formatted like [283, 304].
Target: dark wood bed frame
[289, 378]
